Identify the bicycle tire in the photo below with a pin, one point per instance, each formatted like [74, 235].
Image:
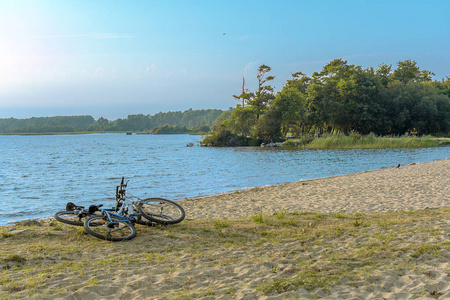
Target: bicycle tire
[100, 227]
[69, 217]
[161, 211]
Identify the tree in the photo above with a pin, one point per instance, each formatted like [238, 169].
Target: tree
[102, 123]
[384, 72]
[242, 121]
[418, 108]
[426, 75]
[341, 98]
[407, 70]
[290, 104]
[245, 95]
[299, 81]
[264, 93]
[268, 127]
[446, 86]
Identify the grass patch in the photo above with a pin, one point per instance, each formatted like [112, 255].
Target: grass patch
[6, 234]
[259, 218]
[58, 226]
[357, 223]
[289, 250]
[340, 215]
[357, 141]
[221, 223]
[280, 215]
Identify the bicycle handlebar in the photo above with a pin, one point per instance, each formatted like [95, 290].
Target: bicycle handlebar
[120, 189]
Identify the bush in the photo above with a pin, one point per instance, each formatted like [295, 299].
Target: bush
[223, 138]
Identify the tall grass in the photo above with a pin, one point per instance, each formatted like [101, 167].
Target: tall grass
[357, 141]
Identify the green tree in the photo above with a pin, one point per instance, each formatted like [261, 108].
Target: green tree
[245, 95]
[264, 92]
[299, 81]
[384, 72]
[290, 103]
[242, 121]
[268, 126]
[426, 75]
[407, 70]
[102, 123]
[418, 108]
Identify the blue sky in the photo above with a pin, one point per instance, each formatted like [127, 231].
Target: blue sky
[115, 58]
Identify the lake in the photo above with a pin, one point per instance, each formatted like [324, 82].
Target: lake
[40, 174]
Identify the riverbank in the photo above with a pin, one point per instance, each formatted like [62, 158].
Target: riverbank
[370, 235]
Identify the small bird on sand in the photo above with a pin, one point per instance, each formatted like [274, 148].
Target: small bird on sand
[398, 166]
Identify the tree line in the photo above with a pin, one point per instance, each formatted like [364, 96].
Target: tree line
[190, 119]
[341, 98]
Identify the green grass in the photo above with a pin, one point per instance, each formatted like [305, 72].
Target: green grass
[357, 141]
[6, 234]
[306, 250]
[221, 223]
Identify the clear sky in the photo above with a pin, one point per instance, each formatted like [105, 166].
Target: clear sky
[114, 58]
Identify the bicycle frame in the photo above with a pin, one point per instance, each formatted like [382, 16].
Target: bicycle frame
[122, 200]
[129, 217]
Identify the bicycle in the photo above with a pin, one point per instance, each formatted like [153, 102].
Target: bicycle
[119, 226]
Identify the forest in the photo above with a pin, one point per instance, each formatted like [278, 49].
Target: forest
[190, 120]
[341, 99]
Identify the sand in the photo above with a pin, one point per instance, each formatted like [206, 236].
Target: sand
[410, 187]
[237, 274]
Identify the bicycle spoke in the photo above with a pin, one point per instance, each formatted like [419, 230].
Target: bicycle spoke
[116, 230]
[161, 210]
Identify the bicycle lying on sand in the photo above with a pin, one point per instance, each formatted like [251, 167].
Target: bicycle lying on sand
[117, 224]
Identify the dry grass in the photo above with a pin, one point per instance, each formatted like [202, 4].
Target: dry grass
[289, 251]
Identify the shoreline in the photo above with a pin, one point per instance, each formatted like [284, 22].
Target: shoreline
[386, 189]
[197, 207]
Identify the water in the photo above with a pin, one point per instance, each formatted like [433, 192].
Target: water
[40, 174]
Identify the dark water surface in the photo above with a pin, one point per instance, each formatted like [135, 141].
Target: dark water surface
[40, 174]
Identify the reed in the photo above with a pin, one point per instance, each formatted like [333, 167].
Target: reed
[357, 141]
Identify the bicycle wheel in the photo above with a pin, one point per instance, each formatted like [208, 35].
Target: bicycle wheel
[116, 230]
[161, 211]
[69, 217]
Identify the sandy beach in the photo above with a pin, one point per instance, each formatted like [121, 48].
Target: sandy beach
[410, 187]
[380, 234]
